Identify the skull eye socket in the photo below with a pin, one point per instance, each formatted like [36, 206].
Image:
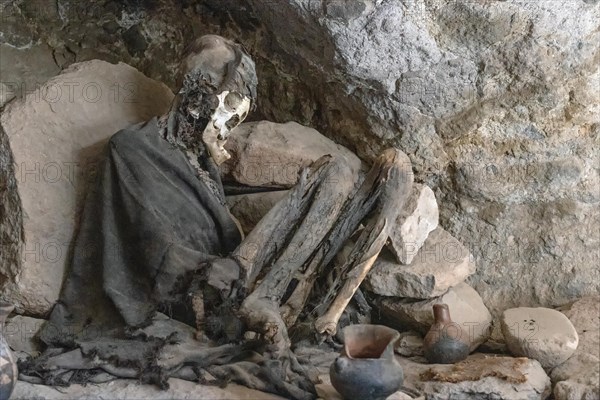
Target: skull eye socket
[232, 101]
[233, 122]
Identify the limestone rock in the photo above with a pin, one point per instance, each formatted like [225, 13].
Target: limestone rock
[579, 376]
[250, 208]
[133, 389]
[540, 333]
[269, 154]
[441, 263]
[410, 344]
[495, 103]
[466, 309]
[56, 135]
[20, 333]
[418, 218]
[490, 385]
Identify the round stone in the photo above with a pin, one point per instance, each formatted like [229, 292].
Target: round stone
[540, 333]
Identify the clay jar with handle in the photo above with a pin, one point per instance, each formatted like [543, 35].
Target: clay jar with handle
[446, 342]
[367, 368]
[8, 366]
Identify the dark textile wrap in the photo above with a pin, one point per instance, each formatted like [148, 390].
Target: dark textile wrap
[148, 224]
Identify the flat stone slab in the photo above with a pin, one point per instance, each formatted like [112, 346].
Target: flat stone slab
[441, 263]
[269, 154]
[478, 377]
[466, 309]
[540, 333]
[579, 376]
[57, 135]
[418, 218]
[124, 389]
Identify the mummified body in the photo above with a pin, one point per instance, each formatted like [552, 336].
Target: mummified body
[156, 235]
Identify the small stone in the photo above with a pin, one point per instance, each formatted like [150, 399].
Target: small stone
[579, 376]
[489, 378]
[410, 344]
[441, 263]
[540, 333]
[418, 218]
[466, 309]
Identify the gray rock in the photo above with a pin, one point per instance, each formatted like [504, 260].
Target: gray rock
[269, 154]
[466, 309]
[410, 344]
[579, 376]
[536, 386]
[133, 389]
[441, 263]
[20, 333]
[56, 135]
[418, 218]
[250, 208]
[540, 333]
[484, 99]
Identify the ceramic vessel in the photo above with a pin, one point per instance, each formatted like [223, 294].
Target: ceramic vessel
[367, 368]
[8, 365]
[446, 342]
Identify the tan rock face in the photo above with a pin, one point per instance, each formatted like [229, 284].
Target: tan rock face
[418, 218]
[495, 102]
[466, 309]
[540, 333]
[579, 376]
[441, 263]
[56, 135]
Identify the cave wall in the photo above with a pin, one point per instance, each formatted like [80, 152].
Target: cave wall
[496, 103]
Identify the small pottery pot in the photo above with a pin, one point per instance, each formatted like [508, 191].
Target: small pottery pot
[446, 342]
[8, 366]
[367, 368]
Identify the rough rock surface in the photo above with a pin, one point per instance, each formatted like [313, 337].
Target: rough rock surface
[466, 309]
[540, 333]
[418, 218]
[132, 389]
[535, 387]
[441, 263]
[579, 376]
[56, 135]
[496, 103]
[268, 154]
[20, 333]
[250, 208]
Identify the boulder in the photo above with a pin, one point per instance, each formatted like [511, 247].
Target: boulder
[410, 344]
[268, 154]
[495, 103]
[418, 218]
[466, 309]
[441, 263]
[56, 135]
[579, 376]
[540, 333]
[478, 377]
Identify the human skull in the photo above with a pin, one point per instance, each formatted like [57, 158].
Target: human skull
[231, 110]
